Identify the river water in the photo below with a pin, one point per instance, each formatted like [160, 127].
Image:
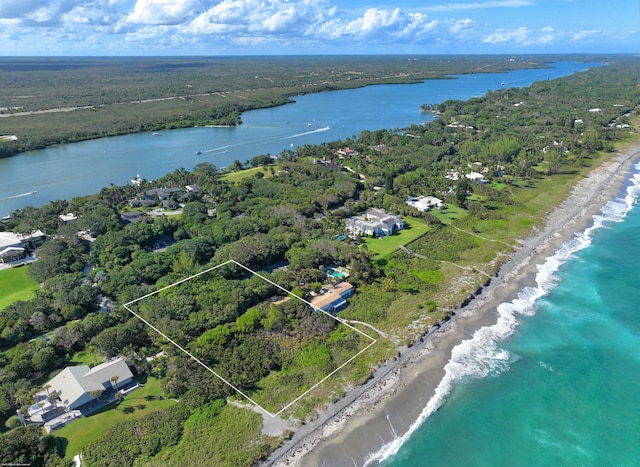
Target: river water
[69, 170]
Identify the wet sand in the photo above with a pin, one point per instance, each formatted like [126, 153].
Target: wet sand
[374, 414]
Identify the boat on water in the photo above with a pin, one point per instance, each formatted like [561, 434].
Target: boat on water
[137, 180]
[198, 153]
[156, 133]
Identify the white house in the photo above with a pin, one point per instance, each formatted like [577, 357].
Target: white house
[375, 223]
[14, 246]
[9, 239]
[12, 253]
[69, 218]
[78, 385]
[425, 203]
[476, 177]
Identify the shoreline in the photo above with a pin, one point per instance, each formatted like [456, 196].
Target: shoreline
[280, 100]
[378, 412]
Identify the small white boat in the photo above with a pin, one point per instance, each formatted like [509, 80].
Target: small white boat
[137, 180]
[156, 133]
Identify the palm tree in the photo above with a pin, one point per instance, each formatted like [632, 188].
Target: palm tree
[96, 393]
[92, 350]
[114, 380]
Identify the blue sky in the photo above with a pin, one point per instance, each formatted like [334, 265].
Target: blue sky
[249, 27]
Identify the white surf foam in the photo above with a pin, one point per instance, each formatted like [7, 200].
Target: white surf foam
[480, 356]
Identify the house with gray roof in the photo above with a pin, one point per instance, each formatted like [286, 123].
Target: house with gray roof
[14, 247]
[79, 385]
[375, 223]
[12, 253]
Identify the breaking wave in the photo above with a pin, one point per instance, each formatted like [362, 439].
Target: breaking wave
[480, 355]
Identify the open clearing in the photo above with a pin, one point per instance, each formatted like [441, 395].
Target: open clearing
[384, 246]
[15, 285]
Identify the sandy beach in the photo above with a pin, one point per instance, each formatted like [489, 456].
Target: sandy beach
[372, 415]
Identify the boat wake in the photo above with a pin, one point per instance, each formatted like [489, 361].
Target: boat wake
[319, 130]
[480, 356]
[20, 195]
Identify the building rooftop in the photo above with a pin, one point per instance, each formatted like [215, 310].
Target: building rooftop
[330, 295]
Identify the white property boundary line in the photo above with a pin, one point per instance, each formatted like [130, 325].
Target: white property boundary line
[205, 366]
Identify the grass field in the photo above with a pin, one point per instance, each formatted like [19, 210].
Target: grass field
[86, 358]
[383, 247]
[449, 214]
[15, 285]
[135, 405]
[235, 177]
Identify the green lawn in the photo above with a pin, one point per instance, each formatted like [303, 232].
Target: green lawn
[235, 177]
[86, 358]
[450, 214]
[15, 285]
[135, 405]
[384, 246]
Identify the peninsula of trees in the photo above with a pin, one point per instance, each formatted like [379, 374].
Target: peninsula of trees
[286, 218]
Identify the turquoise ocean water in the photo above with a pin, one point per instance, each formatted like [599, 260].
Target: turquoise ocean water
[556, 381]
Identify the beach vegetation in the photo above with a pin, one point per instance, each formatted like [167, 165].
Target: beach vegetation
[217, 434]
[29, 445]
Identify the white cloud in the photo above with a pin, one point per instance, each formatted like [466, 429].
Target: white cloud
[586, 34]
[379, 26]
[163, 11]
[523, 36]
[277, 26]
[480, 5]
[20, 8]
[259, 22]
[508, 35]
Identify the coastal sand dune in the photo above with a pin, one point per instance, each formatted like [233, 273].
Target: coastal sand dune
[379, 412]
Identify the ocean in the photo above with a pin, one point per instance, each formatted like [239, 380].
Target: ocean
[555, 381]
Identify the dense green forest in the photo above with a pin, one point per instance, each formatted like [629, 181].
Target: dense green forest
[531, 144]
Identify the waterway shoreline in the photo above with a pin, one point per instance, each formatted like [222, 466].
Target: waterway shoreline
[380, 411]
[161, 126]
[115, 160]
